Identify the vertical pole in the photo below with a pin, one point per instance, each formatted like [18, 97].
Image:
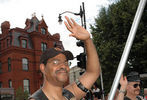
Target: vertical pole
[81, 15]
[84, 15]
[102, 86]
[127, 48]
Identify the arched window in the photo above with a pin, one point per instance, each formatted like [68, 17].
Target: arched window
[25, 64]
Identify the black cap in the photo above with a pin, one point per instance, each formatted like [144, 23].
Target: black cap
[133, 77]
[52, 52]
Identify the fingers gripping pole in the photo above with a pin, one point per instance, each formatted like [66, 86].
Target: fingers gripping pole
[127, 48]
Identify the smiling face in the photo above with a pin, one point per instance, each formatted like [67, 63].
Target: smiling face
[133, 88]
[56, 70]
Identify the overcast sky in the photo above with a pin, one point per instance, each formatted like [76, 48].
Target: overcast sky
[17, 11]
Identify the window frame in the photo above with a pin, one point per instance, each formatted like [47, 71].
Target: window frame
[24, 44]
[25, 64]
[26, 87]
[9, 64]
[43, 31]
[1, 84]
[10, 83]
[43, 46]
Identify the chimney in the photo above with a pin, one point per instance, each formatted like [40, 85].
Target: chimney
[5, 27]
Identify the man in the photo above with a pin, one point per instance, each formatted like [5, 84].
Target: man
[130, 86]
[133, 87]
[55, 69]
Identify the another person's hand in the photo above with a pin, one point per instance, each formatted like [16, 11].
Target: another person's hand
[122, 91]
[76, 30]
[123, 82]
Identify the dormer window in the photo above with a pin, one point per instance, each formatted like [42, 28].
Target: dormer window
[24, 43]
[43, 46]
[43, 31]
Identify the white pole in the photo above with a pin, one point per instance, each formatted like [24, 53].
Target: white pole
[127, 48]
[102, 85]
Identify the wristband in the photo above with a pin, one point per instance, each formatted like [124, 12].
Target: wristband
[80, 85]
[122, 91]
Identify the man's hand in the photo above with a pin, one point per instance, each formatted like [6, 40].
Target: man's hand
[76, 30]
[122, 91]
[123, 82]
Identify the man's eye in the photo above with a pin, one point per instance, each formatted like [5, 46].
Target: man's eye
[55, 62]
[66, 63]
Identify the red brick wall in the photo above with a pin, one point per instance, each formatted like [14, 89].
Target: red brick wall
[17, 74]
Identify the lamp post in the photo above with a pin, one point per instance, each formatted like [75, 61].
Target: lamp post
[81, 63]
[81, 14]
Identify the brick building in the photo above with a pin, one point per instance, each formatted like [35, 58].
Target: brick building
[20, 51]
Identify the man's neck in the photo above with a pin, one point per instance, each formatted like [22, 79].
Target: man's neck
[52, 92]
[132, 97]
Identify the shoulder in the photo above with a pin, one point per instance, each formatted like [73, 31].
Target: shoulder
[38, 95]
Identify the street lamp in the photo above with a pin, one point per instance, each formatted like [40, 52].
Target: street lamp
[81, 14]
[82, 56]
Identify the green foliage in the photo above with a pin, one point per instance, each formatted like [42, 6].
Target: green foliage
[110, 33]
[21, 95]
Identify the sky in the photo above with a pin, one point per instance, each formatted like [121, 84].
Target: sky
[17, 11]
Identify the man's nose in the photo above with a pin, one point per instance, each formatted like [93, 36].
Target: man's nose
[64, 66]
[138, 87]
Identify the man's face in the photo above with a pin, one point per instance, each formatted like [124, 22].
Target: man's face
[133, 88]
[57, 69]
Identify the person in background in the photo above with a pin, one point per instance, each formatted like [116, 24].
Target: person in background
[133, 87]
[54, 64]
[130, 86]
[96, 93]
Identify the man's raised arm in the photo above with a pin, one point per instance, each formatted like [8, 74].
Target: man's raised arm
[92, 72]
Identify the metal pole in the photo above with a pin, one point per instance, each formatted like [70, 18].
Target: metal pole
[84, 15]
[81, 16]
[127, 48]
[102, 86]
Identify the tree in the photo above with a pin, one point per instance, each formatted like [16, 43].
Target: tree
[21, 95]
[110, 33]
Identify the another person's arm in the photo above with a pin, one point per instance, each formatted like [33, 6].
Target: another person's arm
[122, 91]
[92, 67]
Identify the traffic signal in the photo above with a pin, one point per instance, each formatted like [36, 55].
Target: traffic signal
[80, 43]
[81, 58]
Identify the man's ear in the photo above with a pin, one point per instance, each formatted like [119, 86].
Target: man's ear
[42, 68]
